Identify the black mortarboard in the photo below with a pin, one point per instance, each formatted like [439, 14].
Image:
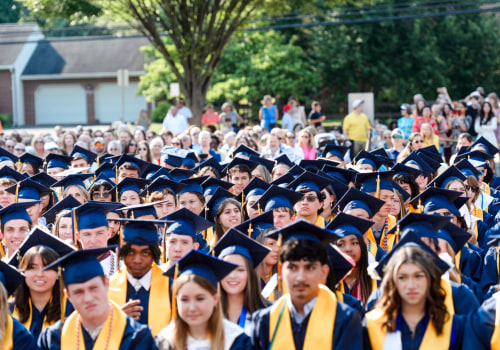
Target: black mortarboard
[267, 163]
[338, 261]
[344, 225]
[161, 183]
[302, 229]
[331, 149]
[343, 175]
[364, 157]
[28, 157]
[179, 174]
[467, 168]
[211, 163]
[137, 163]
[68, 202]
[6, 155]
[454, 235]
[193, 185]
[85, 153]
[54, 160]
[283, 159]
[450, 174]
[484, 145]
[310, 181]
[186, 223]
[9, 173]
[10, 277]
[235, 242]
[434, 198]
[375, 181]
[354, 199]
[130, 184]
[401, 169]
[414, 160]
[241, 162]
[44, 179]
[28, 189]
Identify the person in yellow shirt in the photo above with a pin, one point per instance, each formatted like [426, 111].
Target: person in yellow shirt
[357, 126]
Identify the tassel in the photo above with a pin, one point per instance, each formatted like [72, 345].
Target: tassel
[17, 193]
[75, 228]
[62, 299]
[242, 198]
[174, 301]
[279, 263]
[258, 208]
[117, 260]
[420, 206]
[164, 245]
[206, 209]
[398, 234]
[377, 192]
[2, 251]
[250, 230]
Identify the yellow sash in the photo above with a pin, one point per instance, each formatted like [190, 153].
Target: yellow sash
[159, 303]
[320, 221]
[495, 338]
[448, 300]
[391, 221]
[112, 330]
[377, 332]
[27, 324]
[486, 189]
[9, 334]
[322, 317]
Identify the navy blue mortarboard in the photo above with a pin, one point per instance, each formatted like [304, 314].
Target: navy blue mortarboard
[9, 173]
[467, 168]
[140, 232]
[309, 181]
[193, 184]
[92, 214]
[237, 161]
[186, 223]
[85, 153]
[375, 181]
[410, 240]
[476, 155]
[210, 163]
[44, 179]
[6, 155]
[283, 159]
[160, 172]
[296, 171]
[150, 170]
[450, 174]
[28, 189]
[278, 197]
[188, 157]
[256, 187]
[68, 202]
[339, 188]
[16, 211]
[243, 150]
[382, 155]
[254, 226]
[80, 266]
[429, 159]
[434, 198]
[338, 262]
[139, 210]
[137, 163]
[420, 224]
[344, 225]
[28, 157]
[334, 150]
[303, 229]
[161, 183]
[454, 235]
[219, 195]
[343, 175]
[401, 169]
[70, 180]
[356, 199]
[431, 151]
[235, 242]
[10, 278]
[181, 174]
[173, 160]
[129, 184]
[107, 158]
[311, 164]
[364, 157]
[211, 184]
[267, 163]
[484, 145]
[38, 237]
[284, 180]
[401, 191]
[201, 264]
[106, 169]
[415, 161]
[102, 177]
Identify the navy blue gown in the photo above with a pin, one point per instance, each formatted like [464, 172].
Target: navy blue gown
[480, 326]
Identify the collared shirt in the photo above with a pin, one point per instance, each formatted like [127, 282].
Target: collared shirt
[144, 281]
[298, 318]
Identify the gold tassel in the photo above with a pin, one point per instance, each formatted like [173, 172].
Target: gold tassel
[117, 260]
[206, 209]
[250, 230]
[174, 301]
[279, 262]
[377, 192]
[420, 206]
[242, 198]
[17, 193]
[75, 228]
[398, 234]
[2, 251]
[62, 299]
[164, 245]
[258, 208]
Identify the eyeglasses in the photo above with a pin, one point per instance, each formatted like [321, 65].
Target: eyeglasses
[418, 141]
[96, 195]
[306, 136]
[176, 143]
[290, 137]
[397, 136]
[39, 142]
[471, 188]
[142, 149]
[309, 199]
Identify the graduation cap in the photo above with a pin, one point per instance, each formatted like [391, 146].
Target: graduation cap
[243, 150]
[338, 187]
[410, 240]
[106, 158]
[137, 163]
[374, 182]
[450, 174]
[309, 181]
[356, 199]
[16, 211]
[103, 177]
[6, 155]
[494, 235]
[28, 189]
[284, 180]
[210, 163]
[68, 202]
[28, 157]
[467, 168]
[139, 210]
[150, 169]
[296, 171]
[338, 262]
[434, 198]
[9, 173]
[10, 277]
[283, 159]
[277, 197]
[179, 174]
[44, 179]
[241, 162]
[107, 170]
[38, 237]
[186, 223]
[344, 224]
[160, 172]
[334, 150]
[193, 185]
[401, 169]
[454, 235]
[422, 225]
[71, 180]
[380, 152]
[267, 163]
[161, 183]
[211, 184]
[431, 149]
[311, 164]
[173, 160]
[219, 195]
[343, 175]
[303, 229]
[257, 224]
[235, 242]
[386, 160]
[201, 264]
[401, 191]
[140, 232]
[129, 184]
[364, 157]
[429, 160]
[80, 266]
[187, 157]
[482, 144]
[256, 187]
[92, 214]
[413, 160]
[85, 153]
[478, 156]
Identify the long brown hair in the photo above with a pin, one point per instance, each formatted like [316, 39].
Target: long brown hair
[219, 231]
[22, 293]
[215, 326]
[390, 302]
[4, 312]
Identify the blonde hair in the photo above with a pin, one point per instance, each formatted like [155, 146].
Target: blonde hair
[85, 194]
[4, 312]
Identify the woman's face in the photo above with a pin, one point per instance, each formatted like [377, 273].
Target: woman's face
[272, 258]
[129, 198]
[195, 304]
[427, 131]
[69, 141]
[38, 280]
[396, 206]
[101, 194]
[350, 246]
[304, 138]
[279, 171]
[256, 173]
[143, 151]
[417, 142]
[45, 201]
[457, 186]
[230, 216]
[6, 198]
[359, 213]
[65, 229]
[327, 204]
[446, 109]
[426, 112]
[486, 108]
[250, 202]
[28, 168]
[412, 284]
[205, 140]
[157, 148]
[132, 147]
[420, 104]
[75, 192]
[236, 282]
[191, 202]
[113, 225]
[138, 136]
[39, 144]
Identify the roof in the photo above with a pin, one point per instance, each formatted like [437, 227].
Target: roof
[12, 39]
[87, 55]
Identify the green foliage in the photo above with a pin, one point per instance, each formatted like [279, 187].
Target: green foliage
[6, 120]
[160, 111]
[10, 11]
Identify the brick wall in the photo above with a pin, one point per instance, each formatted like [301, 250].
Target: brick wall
[5, 92]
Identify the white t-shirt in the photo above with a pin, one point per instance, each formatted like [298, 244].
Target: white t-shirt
[186, 112]
[177, 124]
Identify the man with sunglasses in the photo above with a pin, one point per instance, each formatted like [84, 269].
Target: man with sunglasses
[397, 143]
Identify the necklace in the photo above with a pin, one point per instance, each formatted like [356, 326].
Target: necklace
[112, 267]
[78, 327]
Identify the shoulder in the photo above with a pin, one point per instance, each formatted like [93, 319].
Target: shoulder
[50, 338]
[136, 336]
[21, 337]
[163, 340]
[232, 332]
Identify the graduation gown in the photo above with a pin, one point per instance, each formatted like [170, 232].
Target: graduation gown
[471, 262]
[480, 326]
[347, 329]
[490, 272]
[21, 337]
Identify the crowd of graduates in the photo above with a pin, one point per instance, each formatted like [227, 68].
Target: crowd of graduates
[249, 248]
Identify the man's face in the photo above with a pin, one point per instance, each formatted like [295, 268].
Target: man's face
[138, 260]
[33, 211]
[124, 137]
[386, 196]
[359, 109]
[302, 279]
[89, 298]
[281, 217]
[128, 173]
[108, 136]
[273, 143]
[93, 237]
[240, 180]
[463, 142]
[178, 245]
[308, 205]
[14, 233]
[79, 163]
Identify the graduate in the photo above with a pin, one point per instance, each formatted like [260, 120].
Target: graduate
[129, 189]
[74, 185]
[139, 287]
[14, 334]
[240, 293]
[224, 211]
[366, 162]
[281, 202]
[96, 322]
[82, 158]
[15, 224]
[30, 191]
[239, 171]
[198, 320]
[336, 153]
[309, 316]
[56, 163]
[250, 195]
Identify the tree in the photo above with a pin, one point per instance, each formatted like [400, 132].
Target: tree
[10, 11]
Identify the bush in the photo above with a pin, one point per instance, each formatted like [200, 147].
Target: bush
[160, 112]
[6, 120]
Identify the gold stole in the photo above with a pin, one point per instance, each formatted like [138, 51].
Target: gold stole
[320, 221]
[159, 305]
[116, 320]
[486, 188]
[2, 251]
[448, 299]
[27, 324]
[9, 334]
[495, 338]
[210, 236]
[322, 317]
[391, 239]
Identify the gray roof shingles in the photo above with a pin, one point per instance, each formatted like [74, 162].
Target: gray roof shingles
[12, 38]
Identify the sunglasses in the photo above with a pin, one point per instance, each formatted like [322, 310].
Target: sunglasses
[418, 141]
[310, 199]
[142, 149]
[176, 143]
[397, 136]
[471, 188]
[19, 149]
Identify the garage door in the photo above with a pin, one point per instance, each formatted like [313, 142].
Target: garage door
[60, 104]
[108, 102]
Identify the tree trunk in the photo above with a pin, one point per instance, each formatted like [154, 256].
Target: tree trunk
[195, 100]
